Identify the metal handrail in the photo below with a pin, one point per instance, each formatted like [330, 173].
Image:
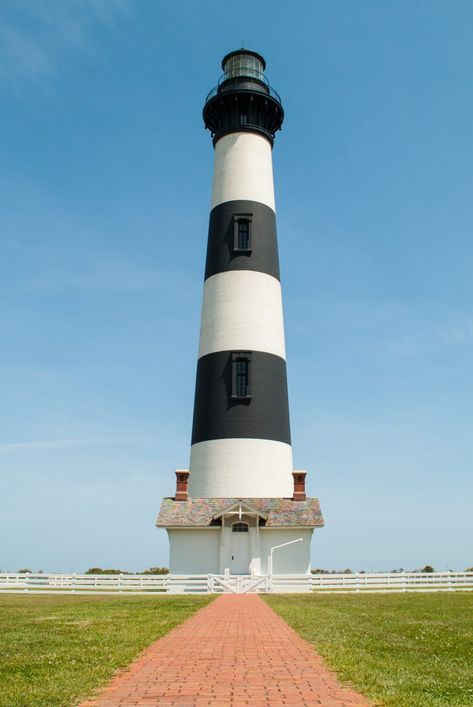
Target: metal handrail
[260, 77]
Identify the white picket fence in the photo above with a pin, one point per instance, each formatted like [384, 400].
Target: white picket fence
[393, 582]
[160, 585]
[150, 584]
[49, 583]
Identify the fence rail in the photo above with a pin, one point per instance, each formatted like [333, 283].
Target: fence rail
[83, 583]
[237, 584]
[392, 581]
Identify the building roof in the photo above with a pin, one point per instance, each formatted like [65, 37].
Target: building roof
[278, 512]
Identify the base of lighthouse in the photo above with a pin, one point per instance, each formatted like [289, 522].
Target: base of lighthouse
[239, 536]
[203, 551]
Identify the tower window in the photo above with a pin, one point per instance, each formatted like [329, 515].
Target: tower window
[241, 376]
[243, 120]
[242, 233]
[240, 528]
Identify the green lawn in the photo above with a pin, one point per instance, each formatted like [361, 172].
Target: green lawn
[56, 649]
[402, 650]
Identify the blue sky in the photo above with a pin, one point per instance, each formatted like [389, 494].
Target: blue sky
[105, 189]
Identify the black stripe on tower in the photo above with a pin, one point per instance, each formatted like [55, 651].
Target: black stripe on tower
[224, 251]
[262, 414]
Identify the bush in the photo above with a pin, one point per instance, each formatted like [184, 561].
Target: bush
[99, 570]
[150, 570]
[321, 571]
[427, 568]
[156, 570]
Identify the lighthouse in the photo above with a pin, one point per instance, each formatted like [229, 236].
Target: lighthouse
[241, 508]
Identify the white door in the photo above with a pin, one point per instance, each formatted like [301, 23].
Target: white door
[240, 549]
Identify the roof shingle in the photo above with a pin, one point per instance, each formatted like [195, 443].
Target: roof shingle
[199, 512]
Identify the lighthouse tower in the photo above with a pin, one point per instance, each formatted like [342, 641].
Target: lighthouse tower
[241, 498]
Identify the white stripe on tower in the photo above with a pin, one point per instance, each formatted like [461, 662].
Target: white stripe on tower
[241, 445]
[243, 169]
[242, 468]
[242, 310]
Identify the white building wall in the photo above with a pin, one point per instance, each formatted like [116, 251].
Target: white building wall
[203, 551]
[293, 559]
[194, 551]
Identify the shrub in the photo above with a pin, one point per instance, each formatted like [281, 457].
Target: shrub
[99, 570]
[156, 570]
[322, 571]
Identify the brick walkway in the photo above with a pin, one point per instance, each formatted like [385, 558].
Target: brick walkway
[236, 651]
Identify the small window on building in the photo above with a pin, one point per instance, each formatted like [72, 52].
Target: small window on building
[243, 120]
[241, 375]
[240, 528]
[242, 233]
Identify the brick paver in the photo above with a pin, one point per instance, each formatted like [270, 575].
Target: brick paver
[236, 651]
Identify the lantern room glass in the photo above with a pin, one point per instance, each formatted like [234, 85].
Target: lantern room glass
[243, 65]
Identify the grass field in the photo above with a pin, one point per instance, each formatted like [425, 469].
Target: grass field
[55, 649]
[401, 650]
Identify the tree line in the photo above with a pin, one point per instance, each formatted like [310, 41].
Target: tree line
[426, 569]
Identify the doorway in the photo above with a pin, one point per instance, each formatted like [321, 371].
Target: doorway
[240, 549]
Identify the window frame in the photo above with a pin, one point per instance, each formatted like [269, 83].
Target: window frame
[237, 220]
[238, 357]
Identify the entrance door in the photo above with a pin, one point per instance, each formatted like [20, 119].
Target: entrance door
[239, 549]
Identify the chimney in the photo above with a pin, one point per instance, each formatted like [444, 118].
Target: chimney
[299, 485]
[182, 482]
